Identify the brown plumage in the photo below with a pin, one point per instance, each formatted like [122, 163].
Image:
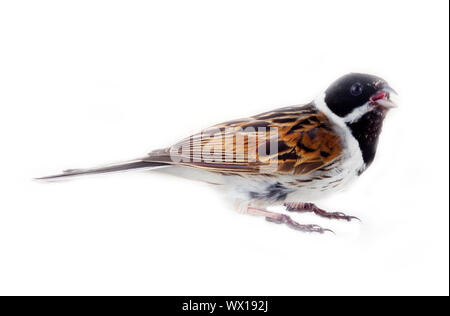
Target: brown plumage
[304, 135]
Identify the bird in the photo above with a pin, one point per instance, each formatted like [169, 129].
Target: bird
[289, 156]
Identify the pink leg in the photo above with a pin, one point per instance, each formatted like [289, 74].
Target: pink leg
[284, 219]
[310, 207]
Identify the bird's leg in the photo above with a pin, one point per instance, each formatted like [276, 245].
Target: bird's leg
[284, 219]
[310, 207]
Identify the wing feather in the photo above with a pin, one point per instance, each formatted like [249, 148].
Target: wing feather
[304, 137]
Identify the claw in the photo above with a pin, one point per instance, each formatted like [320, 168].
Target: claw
[310, 207]
[310, 228]
[339, 215]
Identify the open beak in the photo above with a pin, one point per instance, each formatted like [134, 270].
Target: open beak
[383, 98]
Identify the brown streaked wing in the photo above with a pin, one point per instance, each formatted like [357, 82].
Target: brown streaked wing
[305, 138]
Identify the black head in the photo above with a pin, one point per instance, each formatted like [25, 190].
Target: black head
[352, 91]
[362, 102]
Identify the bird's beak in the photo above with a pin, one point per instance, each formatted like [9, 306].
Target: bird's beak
[383, 98]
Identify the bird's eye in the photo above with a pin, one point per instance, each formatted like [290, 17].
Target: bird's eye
[356, 89]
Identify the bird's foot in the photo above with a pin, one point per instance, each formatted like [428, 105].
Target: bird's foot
[309, 228]
[284, 219]
[310, 207]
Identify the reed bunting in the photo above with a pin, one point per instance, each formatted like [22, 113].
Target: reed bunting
[289, 156]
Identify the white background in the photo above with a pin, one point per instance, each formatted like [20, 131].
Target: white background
[88, 82]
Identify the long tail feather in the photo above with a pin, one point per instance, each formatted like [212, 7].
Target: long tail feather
[135, 164]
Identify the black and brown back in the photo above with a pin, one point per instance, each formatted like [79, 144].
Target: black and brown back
[304, 137]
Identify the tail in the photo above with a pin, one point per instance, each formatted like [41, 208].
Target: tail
[127, 165]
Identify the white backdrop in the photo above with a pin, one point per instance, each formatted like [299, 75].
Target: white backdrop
[88, 82]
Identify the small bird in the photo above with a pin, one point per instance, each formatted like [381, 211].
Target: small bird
[289, 156]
